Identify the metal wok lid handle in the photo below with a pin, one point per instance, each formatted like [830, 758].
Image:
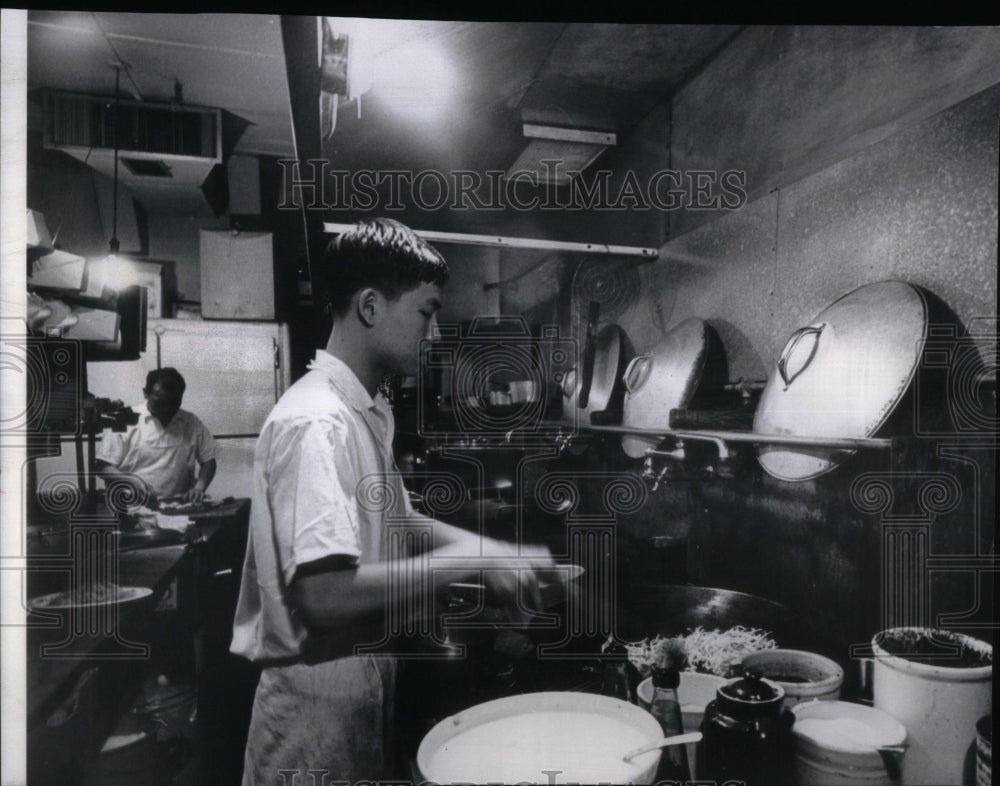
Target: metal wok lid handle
[637, 372]
[813, 331]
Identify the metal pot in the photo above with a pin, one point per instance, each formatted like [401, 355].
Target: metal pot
[549, 737]
[594, 386]
[663, 379]
[671, 610]
[842, 375]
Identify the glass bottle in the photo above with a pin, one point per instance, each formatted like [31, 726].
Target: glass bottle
[666, 708]
[620, 678]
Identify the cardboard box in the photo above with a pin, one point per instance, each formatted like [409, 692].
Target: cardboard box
[58, 270]
[38, 231]
[94, 324]
[237, 275]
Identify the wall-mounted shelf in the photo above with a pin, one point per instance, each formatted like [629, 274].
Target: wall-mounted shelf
[843, 443]
[720, 437]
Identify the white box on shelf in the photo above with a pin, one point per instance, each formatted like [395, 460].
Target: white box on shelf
[58, 270]
[237, 275]
[38, 231]
[94, 324]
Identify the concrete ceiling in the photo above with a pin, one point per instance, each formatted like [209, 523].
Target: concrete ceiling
[228, 61]
[504, 73]
[570, 74]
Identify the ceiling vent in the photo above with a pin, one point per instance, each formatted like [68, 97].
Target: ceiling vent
[170, 155]
[556, 154]
[567, 126]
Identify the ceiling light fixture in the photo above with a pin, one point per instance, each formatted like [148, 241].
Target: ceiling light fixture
[111, 272]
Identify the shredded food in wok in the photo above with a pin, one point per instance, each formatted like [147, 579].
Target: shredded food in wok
[707, 651]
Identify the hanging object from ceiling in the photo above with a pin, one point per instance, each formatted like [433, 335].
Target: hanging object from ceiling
[118, 66]
[333, 76]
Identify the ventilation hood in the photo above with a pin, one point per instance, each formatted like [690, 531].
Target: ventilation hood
[556, 154]
[573, 124]
[170, 156]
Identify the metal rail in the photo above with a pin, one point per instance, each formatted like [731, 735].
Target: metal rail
[844, 443]
[517, 242]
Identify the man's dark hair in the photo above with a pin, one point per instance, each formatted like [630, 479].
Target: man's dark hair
[169, 377]
[380, 253]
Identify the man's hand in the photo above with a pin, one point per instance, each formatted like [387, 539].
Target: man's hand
[196, 495]
[515, 579]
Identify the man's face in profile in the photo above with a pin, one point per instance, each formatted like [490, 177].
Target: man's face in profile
[163, 401]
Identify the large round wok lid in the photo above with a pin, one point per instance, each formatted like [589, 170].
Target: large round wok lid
[663, 379]
[841, 375]
[590, 387]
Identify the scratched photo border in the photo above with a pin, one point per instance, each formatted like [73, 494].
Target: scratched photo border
[13, 200]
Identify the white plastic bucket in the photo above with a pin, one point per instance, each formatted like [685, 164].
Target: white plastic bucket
[938, 703]
[814, 676]
[835, 744]
[552, 737]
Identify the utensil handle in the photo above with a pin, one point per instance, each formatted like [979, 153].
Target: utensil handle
[569, 384]
[793, 341]
[589, 353]
[637, 372]
[677, 739]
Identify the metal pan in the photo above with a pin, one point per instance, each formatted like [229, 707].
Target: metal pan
[663, 379]
[842, 375]
[595, 386]
[673, 610]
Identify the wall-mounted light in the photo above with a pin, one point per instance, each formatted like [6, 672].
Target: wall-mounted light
[413, 78]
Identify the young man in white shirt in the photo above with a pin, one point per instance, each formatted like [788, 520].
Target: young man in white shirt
[319, 563]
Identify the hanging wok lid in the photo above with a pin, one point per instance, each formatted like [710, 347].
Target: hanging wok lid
[663, 379]
[593, 386]
[841, 375]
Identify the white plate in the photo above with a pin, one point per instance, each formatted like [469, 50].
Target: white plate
[57, 601]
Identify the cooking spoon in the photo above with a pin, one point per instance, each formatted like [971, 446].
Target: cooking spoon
[677, 739]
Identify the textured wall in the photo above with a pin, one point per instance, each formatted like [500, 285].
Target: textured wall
[783, 102]
[920, 206]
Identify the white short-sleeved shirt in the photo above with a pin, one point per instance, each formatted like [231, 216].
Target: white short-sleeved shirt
[320, 467]
[165, 458]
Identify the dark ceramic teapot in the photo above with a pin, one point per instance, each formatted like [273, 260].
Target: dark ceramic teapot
[747, 734]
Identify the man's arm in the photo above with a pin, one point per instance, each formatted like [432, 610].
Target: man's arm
[314, 485]
[341, 597]
[110, 474]
[450, 535]
[205, 474]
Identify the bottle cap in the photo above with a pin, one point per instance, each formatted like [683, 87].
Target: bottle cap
[665, 678]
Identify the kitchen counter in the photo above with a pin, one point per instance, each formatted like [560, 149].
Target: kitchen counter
[83, 669]
[55, 655]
